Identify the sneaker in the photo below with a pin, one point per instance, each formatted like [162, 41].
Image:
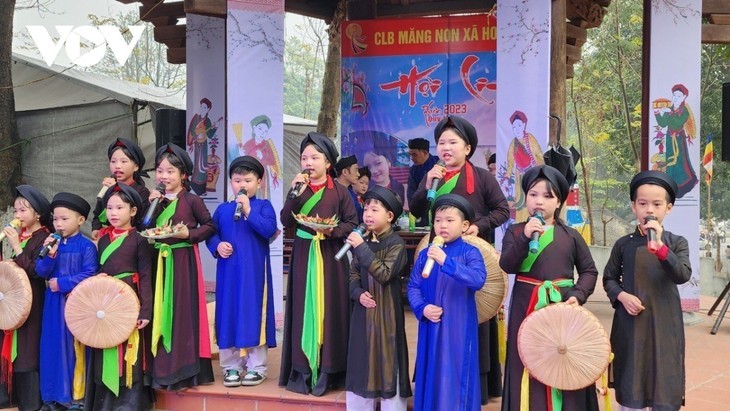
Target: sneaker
[232, 379]
[252, 378]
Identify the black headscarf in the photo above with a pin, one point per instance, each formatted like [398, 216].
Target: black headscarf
[464, 129]
[386, 196]
[549, 173]
[248, 162]
[455, 200]
[654, 177]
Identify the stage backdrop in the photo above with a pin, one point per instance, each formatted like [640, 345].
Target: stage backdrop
[206, 108]
[524, 100]
[674, 118]
[400, 77]
[255, 122]
[524, 97]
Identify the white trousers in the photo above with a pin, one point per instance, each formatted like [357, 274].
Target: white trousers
[357, 403]
[255, 360]
[622, 408]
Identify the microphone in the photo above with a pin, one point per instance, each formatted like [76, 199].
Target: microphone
[438, 241]
[431, 195]
[294, 191]
[535, 237]
[239, 206]
[346, 247]
[651, 243]
[14, 223]
[104, 189]
[151, 211]
[56, 238]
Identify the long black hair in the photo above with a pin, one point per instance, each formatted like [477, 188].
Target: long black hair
[176, 162]
[136, 176]
[556, 193]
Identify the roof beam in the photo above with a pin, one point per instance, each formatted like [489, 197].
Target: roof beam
[434, 8]
[715, 7]
[172, 36]
[212, 8]
[715, 34]
[176, 55]
[149, 11]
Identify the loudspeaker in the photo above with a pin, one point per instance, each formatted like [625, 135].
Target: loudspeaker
[169, 127]
[725, 122]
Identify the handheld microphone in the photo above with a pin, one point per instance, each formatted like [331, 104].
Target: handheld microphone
[535, 237]
[438, 241]
[346, 247]
[651, 243]
[431, 195]
[14, 223]
[151, 211]
[47, 249]
[239, 206]
[294, 191]
[104, 189]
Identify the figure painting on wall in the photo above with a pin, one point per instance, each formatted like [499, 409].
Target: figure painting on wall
[263, 149]
[675, 128]
[200, 131]
[524, 152]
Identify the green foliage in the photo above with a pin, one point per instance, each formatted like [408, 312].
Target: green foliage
[148, 62]
[715, 71]
[304, 58]
[604, 103]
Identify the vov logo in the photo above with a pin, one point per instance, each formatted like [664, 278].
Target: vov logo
[100, 36]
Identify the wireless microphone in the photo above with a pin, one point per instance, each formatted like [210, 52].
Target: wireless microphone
[239, 206]
[148, 217]
[438, 241]
[360, 230]
[431, 195]
[535, 237]
[294, 191]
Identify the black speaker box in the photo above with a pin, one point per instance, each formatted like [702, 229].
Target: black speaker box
[169, 127]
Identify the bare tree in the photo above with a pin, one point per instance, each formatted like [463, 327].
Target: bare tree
[327, 120]
[9, 138]
[147, 64]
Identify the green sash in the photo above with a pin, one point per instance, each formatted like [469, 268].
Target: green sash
[14, 348]
[313, 321]
[166, 214]
[448, 186]
[163, 304]
[313, 200]
[545, 239]
[110, 356]
[112, 247]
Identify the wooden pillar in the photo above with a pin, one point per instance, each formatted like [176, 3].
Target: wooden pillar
[362, 10]
[558, 59]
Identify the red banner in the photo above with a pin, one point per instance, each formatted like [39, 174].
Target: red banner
[428, 35]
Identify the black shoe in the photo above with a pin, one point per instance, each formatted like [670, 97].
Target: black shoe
[232, 379]
[252, 378]
[53, 406]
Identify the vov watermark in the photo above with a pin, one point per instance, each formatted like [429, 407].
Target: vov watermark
[100, 37]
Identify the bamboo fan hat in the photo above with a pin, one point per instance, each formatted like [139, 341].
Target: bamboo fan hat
[102, 311]
[563, 346]
[492, 294]
[16, 296]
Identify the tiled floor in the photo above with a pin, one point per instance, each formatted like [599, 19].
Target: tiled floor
[707, 369]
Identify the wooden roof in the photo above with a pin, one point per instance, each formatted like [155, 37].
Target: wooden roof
[581, 16]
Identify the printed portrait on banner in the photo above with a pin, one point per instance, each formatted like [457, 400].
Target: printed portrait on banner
[399, 80]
